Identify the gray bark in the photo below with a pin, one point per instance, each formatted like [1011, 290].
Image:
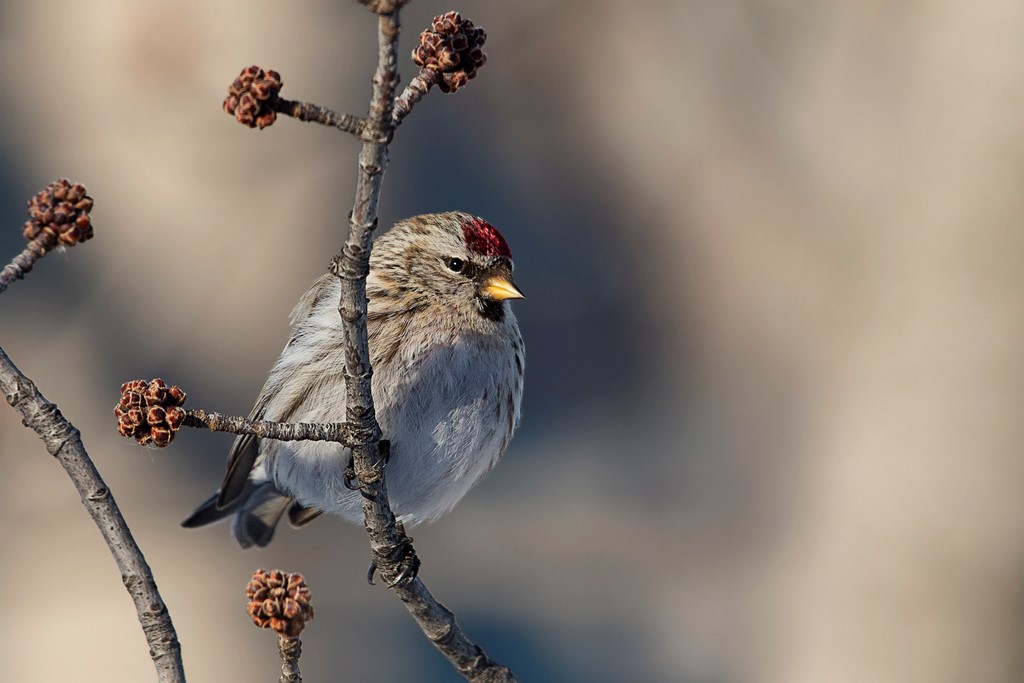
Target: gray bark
[352, 265]
[21, 264]
[290, 650]
[64, 442]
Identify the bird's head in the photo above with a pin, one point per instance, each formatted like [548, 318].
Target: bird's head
[455, 258]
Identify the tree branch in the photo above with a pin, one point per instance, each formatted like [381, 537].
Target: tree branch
[417, 89]
[266, 429]
[21, 264]
[325, 116]
[64, 442]
[290, 650]
[352, 266]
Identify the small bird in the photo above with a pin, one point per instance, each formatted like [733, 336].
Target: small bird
[448, 363]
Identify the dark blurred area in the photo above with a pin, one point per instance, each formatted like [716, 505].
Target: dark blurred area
[771, 251]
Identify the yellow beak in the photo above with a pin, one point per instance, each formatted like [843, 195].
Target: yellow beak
[500, 288]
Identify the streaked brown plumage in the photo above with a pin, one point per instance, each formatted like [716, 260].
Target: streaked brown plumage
[448, 380]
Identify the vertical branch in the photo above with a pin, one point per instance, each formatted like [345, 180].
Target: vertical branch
[64, 442]
[352, 266]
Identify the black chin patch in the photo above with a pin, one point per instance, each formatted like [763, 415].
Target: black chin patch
[490, 309]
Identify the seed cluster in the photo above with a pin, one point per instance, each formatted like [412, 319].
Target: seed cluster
[279, 601]
[252, 96]
[150, 412]
[452, 46]
[59, 215]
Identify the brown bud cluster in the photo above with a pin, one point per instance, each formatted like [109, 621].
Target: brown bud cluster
[279, 601]
[452, 46]
[252, 96]
[59, 215]
[150, 412]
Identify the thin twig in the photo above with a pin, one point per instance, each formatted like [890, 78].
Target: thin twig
[266, 429]
[64, 442]
[325, 116]
[417, 89]
[290, 650]
[21, 264]
[352, 266]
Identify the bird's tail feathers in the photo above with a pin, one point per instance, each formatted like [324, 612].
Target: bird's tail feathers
[257, 513]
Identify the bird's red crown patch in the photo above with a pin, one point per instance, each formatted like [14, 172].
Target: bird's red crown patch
[484, 239]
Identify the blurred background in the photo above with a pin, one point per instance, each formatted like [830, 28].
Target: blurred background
[771, 250]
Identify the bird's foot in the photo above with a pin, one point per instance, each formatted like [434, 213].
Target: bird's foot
[352, 482]
[401, 554]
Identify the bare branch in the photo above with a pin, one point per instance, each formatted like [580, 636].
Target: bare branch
[307, 111]
[413, 93]
[265, 429]
[352, 266]
[23, 262]
[152, 413]
[254, 100]
[438, 623]
[290, 650]
[64, 442]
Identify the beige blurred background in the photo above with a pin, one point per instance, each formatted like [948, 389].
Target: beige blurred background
[772, 427]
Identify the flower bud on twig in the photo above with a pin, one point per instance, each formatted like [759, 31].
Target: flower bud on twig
[252, 97]
[150, 412]
[453, 47]
[449, 54]
[279, 601]
[59, 215]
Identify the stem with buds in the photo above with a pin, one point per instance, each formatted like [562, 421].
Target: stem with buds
[290, 650]
[417, 89]
[352, 266]
[325, 116]
[21, 264]
[265, 429]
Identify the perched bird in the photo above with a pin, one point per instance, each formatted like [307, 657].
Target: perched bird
[447, 383]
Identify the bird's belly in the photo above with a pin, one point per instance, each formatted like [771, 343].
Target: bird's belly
[435, 460]
[313, 473]
[448, 425]
[448, 415]
[435, 464]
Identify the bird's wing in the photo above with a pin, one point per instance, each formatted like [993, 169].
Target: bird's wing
[245, 450]
[242, 456]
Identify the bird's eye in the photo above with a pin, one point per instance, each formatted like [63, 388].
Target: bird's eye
[455, 264]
